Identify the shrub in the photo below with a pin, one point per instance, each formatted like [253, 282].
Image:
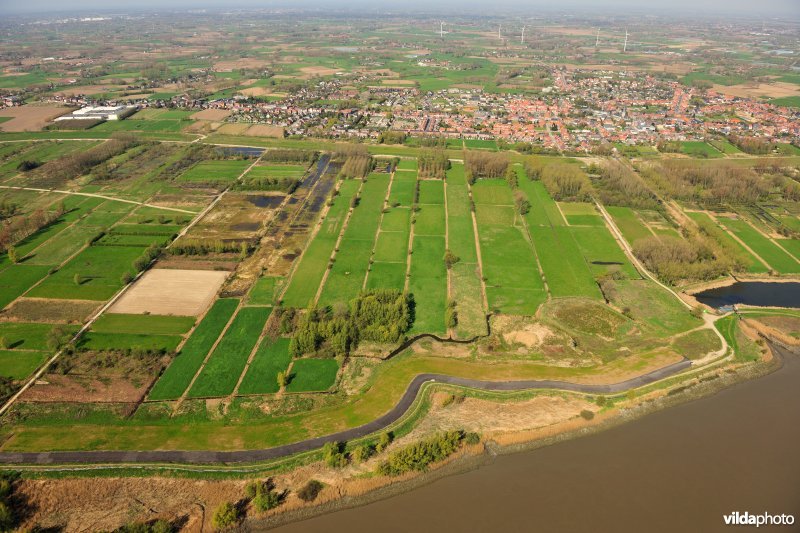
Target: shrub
[587, 414]
[362, 453]
[310, 491]
[384, 441]
[418, 456]
[450, 259]
[226, 515]
[472, 438]
[334, 454]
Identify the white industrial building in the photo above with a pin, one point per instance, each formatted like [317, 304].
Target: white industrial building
[100, 113]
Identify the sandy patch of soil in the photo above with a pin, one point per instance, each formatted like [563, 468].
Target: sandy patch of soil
[233, 129]
[86, 89]
[260, 91]
[103, 504]
[171, 292]
[216, 115]
[264, 130]
[530, 336]
[757, 90]
[319, 71]
[30, 117]
[85, 389]
[483, 416]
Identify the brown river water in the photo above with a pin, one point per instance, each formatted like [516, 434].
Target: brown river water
[677, 470]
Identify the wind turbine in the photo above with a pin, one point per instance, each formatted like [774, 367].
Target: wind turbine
[625, 46]
[499, 35]
[522, 37]
[597, 39]
[441, 29]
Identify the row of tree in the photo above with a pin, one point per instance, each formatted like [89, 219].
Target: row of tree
[433, 163]
[485, 164]
[75, 164]
[19, 227]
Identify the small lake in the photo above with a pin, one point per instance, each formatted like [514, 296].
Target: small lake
[242, 150]
[759, 293]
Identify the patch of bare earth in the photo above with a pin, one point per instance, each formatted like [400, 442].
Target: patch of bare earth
[49, 311]
[212, 114]
[171, 292]
[484, 416]
[30, 117]
[100, 504]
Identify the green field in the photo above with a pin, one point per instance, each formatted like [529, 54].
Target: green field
[465, 275]
[699, 149]
[312, 375]
[601, 251]
[99, 274]
[428, 284]
[18, 365]
[17, 279]
[28, 336]
[766, 249]
[263, 292]
[179, 374]
[308, 274]
[128, 341]
[222, 370]
[629, 224]
[143, 324]
[346, 278]
[215, 171]
[566, 271]
[751, 262]
[402, 193]
[271, 357]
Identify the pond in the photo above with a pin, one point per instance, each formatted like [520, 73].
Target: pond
[758, 293]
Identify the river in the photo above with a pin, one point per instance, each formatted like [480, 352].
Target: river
[680, 469]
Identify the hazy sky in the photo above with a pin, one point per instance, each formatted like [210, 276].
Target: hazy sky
[760, 8]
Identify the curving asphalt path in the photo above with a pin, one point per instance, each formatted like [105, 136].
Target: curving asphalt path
[251, 456]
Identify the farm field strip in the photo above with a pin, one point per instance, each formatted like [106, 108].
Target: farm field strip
[388, 271]
[770, 252]
[271, 357]
[307, 276]
[628, 223]
[180, 373]
[563, 265]
[220, 373]
[351, 261]
[312, 375]
[465, 276]
[754, 263]
[513, 282]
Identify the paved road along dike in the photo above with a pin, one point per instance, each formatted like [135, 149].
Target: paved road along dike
[252, 456]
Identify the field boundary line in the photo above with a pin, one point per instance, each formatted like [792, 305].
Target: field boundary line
[378, 231]
[104, 197]
[315, 230]
[211, 350]
[770, 239]
[629, 252]
[338, 243]
[476, 236]
[739, 240]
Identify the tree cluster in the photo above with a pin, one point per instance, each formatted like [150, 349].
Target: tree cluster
[616, 184]
[419, 456]
[73, 165]
[433, 164]
[485, 164]
[674, 259]
[17, 228]
[205, 247]
[288, 155]
[378, 315]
